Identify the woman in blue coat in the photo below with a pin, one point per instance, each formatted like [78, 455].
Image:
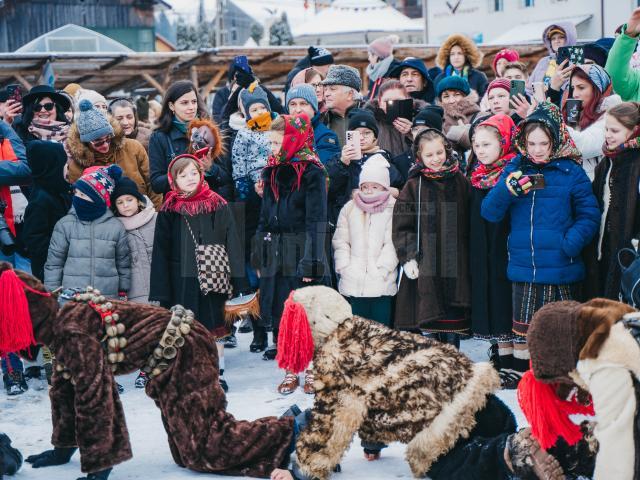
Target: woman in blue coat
[554, 215]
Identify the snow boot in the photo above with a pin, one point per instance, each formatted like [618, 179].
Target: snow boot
[142, 380]
[245, 325]
[259, 343]
[49, 458]
[101, 475]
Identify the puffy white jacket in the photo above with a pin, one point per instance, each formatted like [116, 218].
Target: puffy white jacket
[364, 254]
[590, 140]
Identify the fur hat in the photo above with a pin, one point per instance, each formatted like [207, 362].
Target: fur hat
[304, 91]
[453, 82]
[376, 170]
[383, 47]
[430, 116]
[72, 89]
[364, 118]
[319, 56]
[91, 123]
[248, 97]
[471, 51]
[503, 83]
[343, 75]
[506, 53]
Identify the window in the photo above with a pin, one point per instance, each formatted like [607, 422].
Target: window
[498, 5]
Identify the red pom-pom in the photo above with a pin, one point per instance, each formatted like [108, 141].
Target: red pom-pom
[16, 329]
[295, 342]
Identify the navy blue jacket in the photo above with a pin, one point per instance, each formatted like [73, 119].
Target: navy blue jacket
[549, 227]
[14, 173]
[325, 140]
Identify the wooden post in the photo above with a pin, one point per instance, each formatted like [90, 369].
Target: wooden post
[211, 84]
[154, 83]
[193, 70]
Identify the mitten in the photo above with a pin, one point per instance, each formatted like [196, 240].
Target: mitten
[518, 184]
[411, 269]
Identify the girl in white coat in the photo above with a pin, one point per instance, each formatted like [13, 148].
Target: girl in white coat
[364, 254]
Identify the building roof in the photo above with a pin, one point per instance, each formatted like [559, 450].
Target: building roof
[73, 38]
[346, 16]
[532, 32]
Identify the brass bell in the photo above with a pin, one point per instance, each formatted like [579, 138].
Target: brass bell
[120, 357]
[185, 329]
[169, 340]
[169, 352]
[116, 317]
[152, 362]
[157, 353]
[108, 305]
[113, 343]
[179, 342]
[155, 372]
[120, 328]
[108, 319]
[171, 330]
[176, 321]
[163, 366]
[112, 331]
[122, 342]
[112, 357]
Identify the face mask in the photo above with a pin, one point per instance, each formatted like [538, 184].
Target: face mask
[261, 123]
[86, 210]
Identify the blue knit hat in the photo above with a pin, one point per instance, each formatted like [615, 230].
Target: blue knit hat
[304, 91]
[249, 96]
[453, 82]
[91, 123]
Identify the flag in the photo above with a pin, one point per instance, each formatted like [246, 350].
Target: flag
[48, 75]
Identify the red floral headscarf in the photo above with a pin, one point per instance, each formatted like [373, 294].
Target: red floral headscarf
[203, 200]
[297, 149]
[486, 176]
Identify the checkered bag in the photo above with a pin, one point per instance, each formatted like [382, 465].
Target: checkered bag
[212, 262]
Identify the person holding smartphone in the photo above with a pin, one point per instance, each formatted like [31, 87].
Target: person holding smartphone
[553, 213]
[559, 34]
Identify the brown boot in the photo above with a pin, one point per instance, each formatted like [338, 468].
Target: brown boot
[528, 460]
[308, 383]
[289, 384]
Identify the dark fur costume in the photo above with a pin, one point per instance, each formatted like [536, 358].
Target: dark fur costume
[87, 412]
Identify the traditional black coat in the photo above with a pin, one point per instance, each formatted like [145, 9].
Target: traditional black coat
[491, 310]
[174, 277]
[291, 236]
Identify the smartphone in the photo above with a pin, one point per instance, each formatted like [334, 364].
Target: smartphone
[353, 139]
[537, 181]
[574, 54]
[14, 92]
[400, 109]
[517, 88]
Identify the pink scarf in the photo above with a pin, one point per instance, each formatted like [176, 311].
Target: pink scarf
[375, 203]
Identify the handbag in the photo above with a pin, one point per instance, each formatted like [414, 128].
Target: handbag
[630, 278]
[212, 262]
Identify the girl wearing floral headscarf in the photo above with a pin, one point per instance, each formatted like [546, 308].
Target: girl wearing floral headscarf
[193, 214]
[290, 240]
[553, 215]
[491, 317]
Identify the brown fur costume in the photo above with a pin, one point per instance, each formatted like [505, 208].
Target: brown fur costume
[87, 412]
[471, 51]
[386, 386]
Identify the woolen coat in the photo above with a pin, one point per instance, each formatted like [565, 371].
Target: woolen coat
[174, 276]
[443, 259]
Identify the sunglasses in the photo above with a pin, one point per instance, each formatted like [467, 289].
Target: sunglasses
[47, 106]
[100, 141]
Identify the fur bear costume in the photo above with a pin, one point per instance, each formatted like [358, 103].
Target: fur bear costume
[85, 406]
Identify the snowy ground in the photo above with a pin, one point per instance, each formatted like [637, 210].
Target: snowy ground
[27, 420]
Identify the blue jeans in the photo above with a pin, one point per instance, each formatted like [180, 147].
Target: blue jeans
[13, 361]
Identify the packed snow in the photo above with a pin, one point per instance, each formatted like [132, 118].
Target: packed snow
[27, 420]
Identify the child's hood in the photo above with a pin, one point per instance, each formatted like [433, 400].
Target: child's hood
[47, 161]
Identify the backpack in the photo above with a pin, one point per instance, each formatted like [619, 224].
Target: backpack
[630, 278]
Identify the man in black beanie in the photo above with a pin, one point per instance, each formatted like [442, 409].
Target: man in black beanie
[317, 57]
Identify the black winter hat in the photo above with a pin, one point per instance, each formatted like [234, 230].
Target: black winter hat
[363, 118]
[319, 56]
[430, 116]
[596, 52]
[126, 186]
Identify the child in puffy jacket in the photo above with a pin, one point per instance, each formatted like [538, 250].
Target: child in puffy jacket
[89, 245]
[364, 255]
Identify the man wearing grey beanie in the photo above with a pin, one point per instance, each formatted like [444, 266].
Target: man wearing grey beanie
[302, 99]
[341, 94]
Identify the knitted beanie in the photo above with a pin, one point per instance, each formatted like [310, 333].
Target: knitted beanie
[343, 75]
[98, 183]
[376, 170]
[553, 340]
[362, 118]
[383, 47]
[319, 56]
[248, 97]
[126, 186]
[91, 123]
[72, 89]
[91, 95]
[430, 116]
[596, 53]
[506, 53]
[453, 82]
[503, 83]
[304, 91]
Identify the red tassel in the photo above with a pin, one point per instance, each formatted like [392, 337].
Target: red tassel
[295, 342]
[16, 329]
[548, 414]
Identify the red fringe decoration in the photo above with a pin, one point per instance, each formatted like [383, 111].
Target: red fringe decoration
[295, 342]
[16, 329]
[299, 168]
[547, 413]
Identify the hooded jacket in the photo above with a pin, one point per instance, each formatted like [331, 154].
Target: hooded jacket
[477, 79]
[129, 154]
[49, 201]
[428, 92]
[549, 227]
[539, 73]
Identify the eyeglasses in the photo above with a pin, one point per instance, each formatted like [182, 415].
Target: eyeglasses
[98, 142]
[47, 106]
[316, 85]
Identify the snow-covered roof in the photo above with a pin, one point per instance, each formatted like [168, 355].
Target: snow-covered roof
[345, 16]
[73, 38]
[263, 10]
[531, 32]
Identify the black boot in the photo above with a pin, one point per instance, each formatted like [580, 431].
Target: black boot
[49, 458]
[259, 343]
[272, 351]
[101, 475]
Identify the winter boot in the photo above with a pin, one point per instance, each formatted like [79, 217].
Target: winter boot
[494, 358]
[48, 371]
[142, 380]
[101, 475]
[32, 372]
[14, 383]
[120, 388]
[49, 458]
[259, 343]
[245, 325]
[231, 341]
[528, 460]
[272, 352]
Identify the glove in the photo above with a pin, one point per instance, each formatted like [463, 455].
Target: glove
[244, 79]
[411, 269]
[49, 458]
[518, 184]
